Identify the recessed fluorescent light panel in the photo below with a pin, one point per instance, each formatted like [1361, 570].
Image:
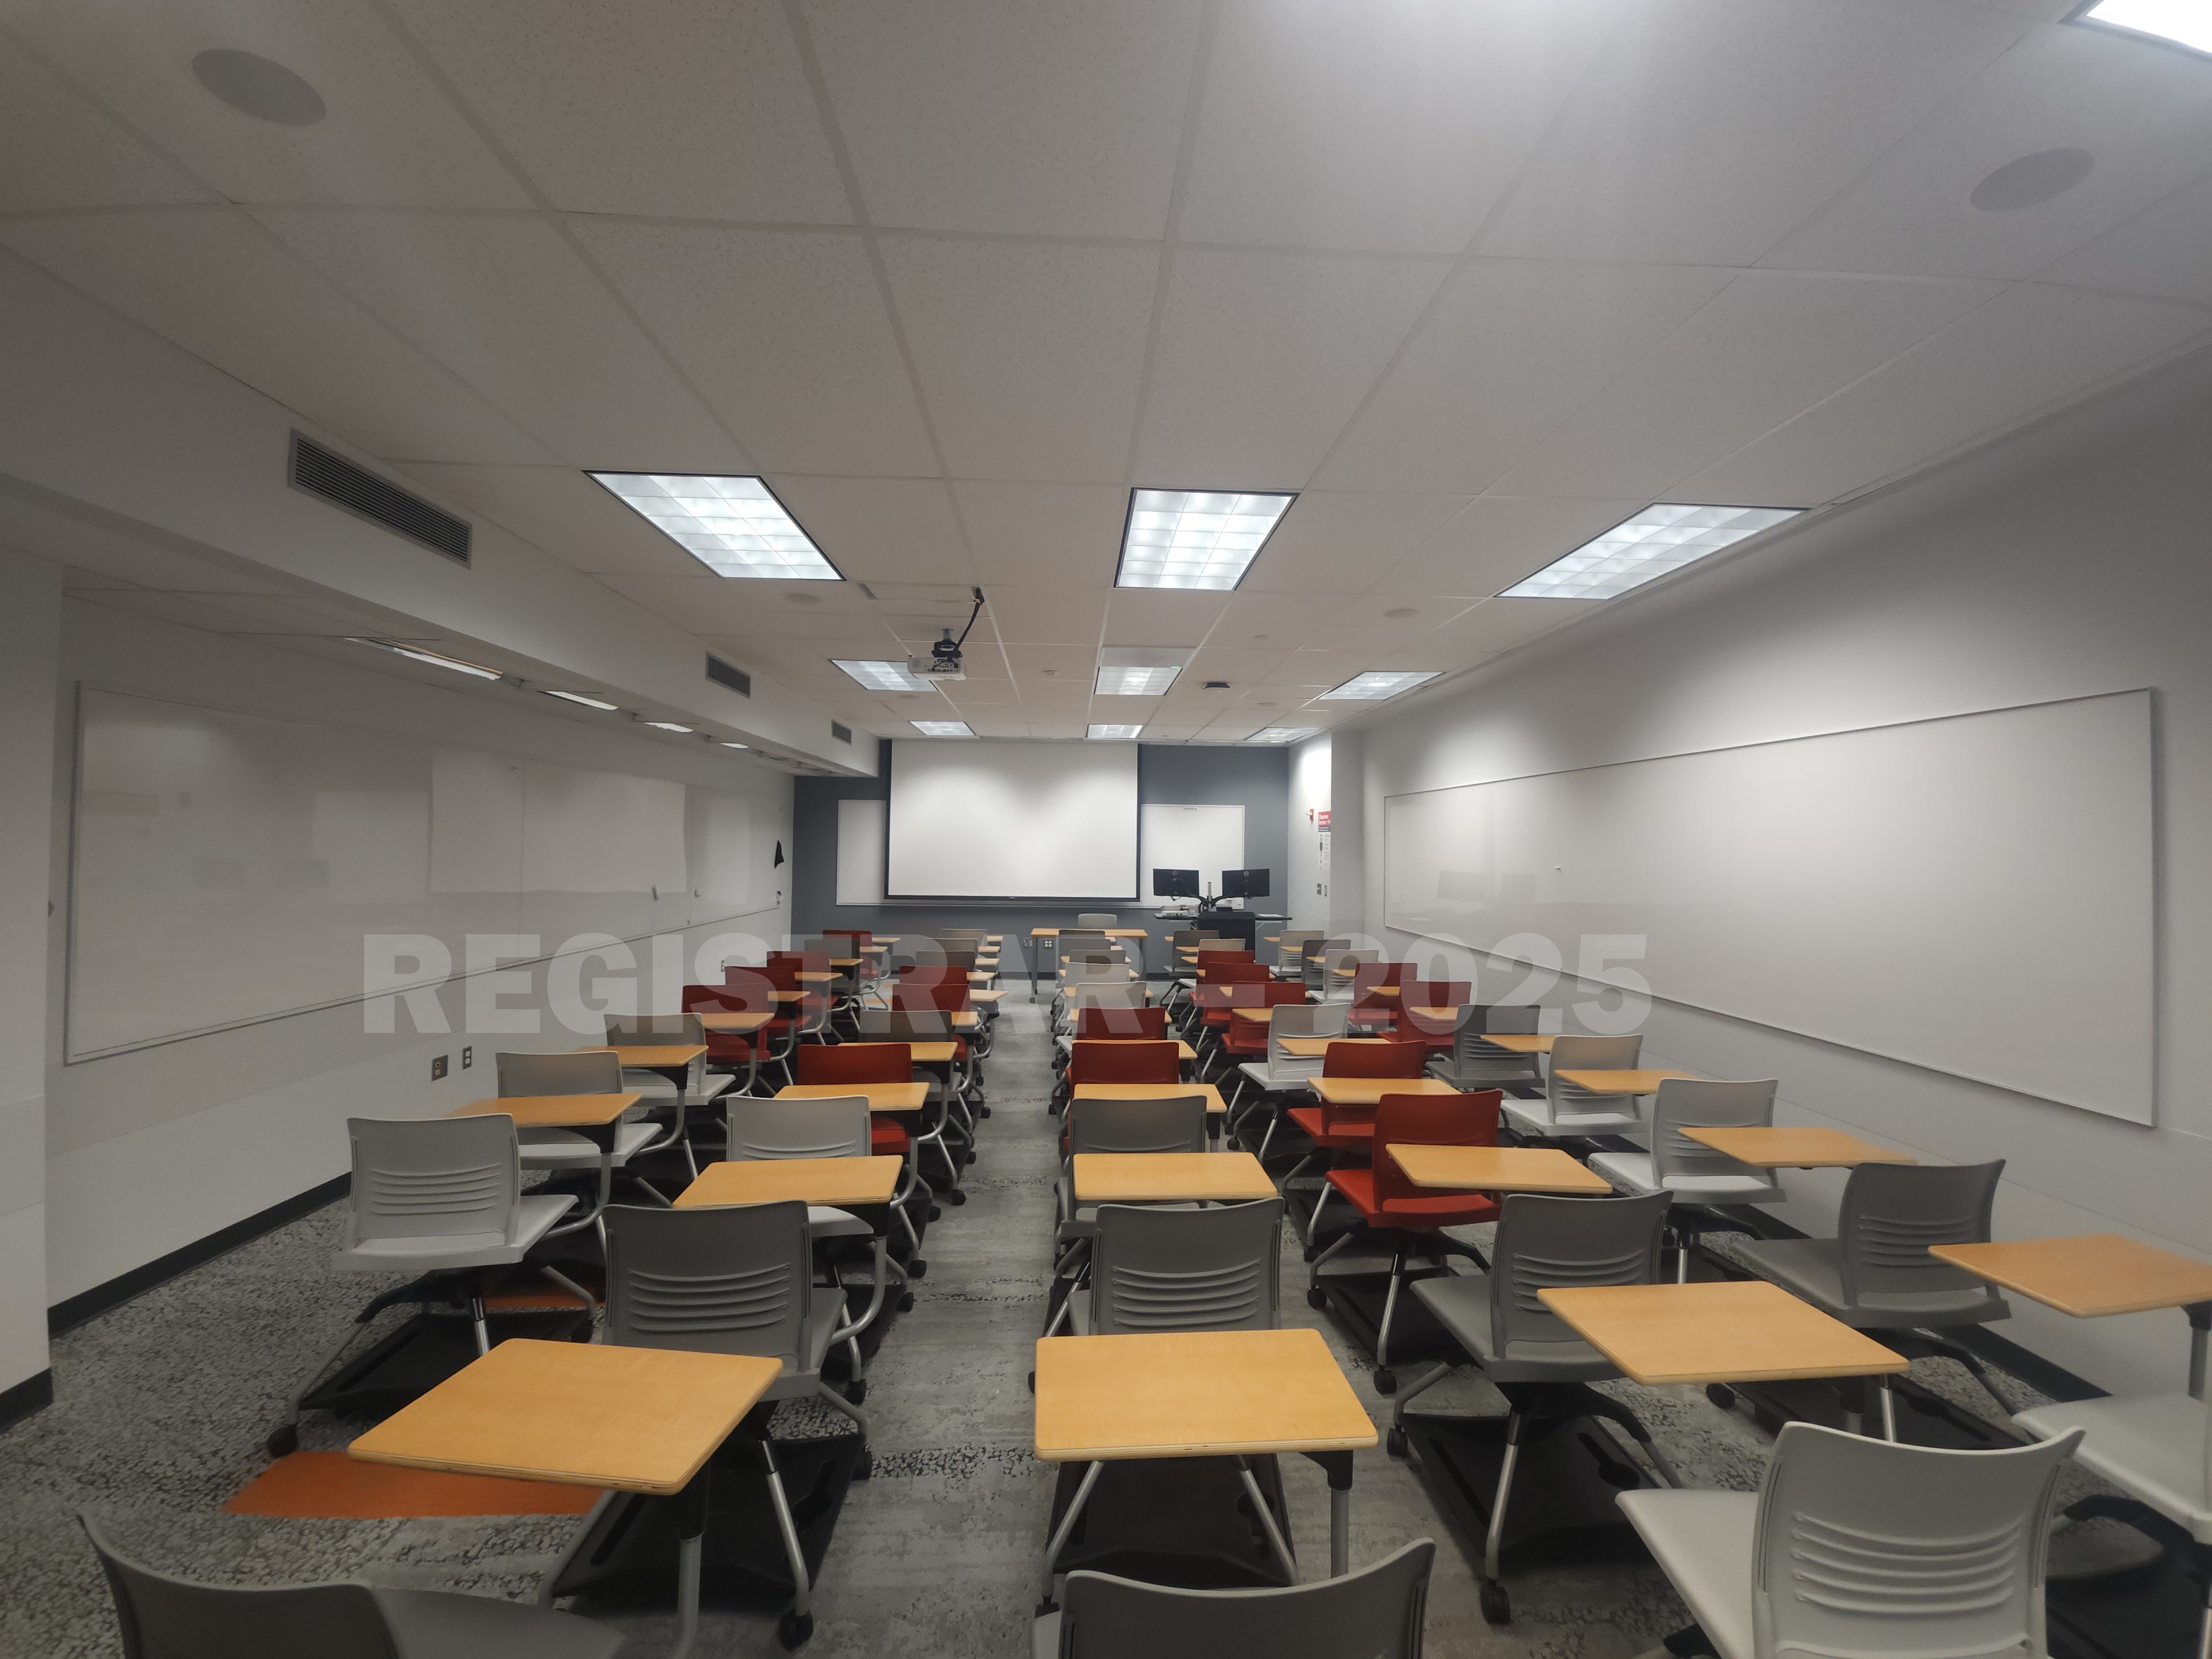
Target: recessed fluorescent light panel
[1662, 537]
[2182, 23]
[883, 676]
[578, 696]
[1123, 681]
[1284, 734]
[1196, 539]
[431, 658]
[734, 526]
[1378, 684]
[668, 725]
[942, 728]
[1120, 734]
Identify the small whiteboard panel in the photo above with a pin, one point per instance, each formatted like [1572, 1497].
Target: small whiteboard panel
[860, 851]
[1971, 894]
[1207, 839]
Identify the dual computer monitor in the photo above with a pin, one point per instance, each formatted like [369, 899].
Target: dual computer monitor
[1235, 883]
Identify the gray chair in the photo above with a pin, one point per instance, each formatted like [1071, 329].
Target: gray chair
[1527, 1353]
[1376, 1613]
[1566, 1110]
[564, 1151]
[947, 1126]
[728, 1280]
[1337, 966]
[1317, 956]
[1172, 1123]
[164, 1617]
[1690, 1172]
[1158, 1269]
[1282, 1069]
[1475, 1062]
[1853, 1545]
[439, 1197]
[1876, 1274]
[1291, 952]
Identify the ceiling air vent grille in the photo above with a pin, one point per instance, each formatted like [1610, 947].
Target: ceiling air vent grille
[839, 730]
[339, 482]
[730, 675]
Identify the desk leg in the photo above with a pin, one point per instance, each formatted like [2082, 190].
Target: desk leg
[1065, 1531]
[2200, 1328]
[1276, 1542]
[691, 1534]
[1338, 1465]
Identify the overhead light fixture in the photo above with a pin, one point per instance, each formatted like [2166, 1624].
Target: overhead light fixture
[726, 744]
[1114, 733]
[1284, 734]
[1662, 537]
[578, 696]
[1130, 682]
[416, 654]
[734, 526]
[885, 676]
[669, 726]
[1195, 538]
[942, 728]
[2177, 22]
[1378, 684]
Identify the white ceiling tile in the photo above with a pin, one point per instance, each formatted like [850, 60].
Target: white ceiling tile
[1239, 664]
[1004, 334]
[1010, 725]
[1057, 728]
[507, 306]
[1154, 615]
[2166, 251]
[708, 605]
[1049, 116]
[2030, 348]
[262, 613]
[1261, 359]
[896, 530]
[1035, 532]
[1334, 541]
[1496, 541]
[784, 332]
[1372, 641]
[1498, 625]
[1071, 664]
[391, 138]
[1047, 616]
[57, 150]
[1771, 345]
[1709, 128]
[1309, 673]
[1512, 349]
[1273, 621]
[218, 285]
[184, 610]
[2143, 113]
[1404, 611]
[1394, 125]
[560, 510]
[697, 109]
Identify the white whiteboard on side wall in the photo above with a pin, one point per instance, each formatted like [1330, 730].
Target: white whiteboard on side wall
[226, 867]
[1207, 839]
[860, 851]
[1972, 894]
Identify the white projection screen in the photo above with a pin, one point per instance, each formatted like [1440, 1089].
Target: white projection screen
[1015, 820]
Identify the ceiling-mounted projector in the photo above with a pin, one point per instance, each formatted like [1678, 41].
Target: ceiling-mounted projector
[943, 662]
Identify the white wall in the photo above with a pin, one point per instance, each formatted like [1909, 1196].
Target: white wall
[151, 1151]
[30, 627]
[2072, 560]
[1309, 878]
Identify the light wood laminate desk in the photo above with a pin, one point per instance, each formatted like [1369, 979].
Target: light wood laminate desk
[671, 1061]
[736, 1023]
[827, 1181]
[1521, 1042]
[1184, 1052]
[586, 1414]
[1795, 1148]
[1627, 1081]
[1499, 1170]
[1316, 1048]
[1733, 1331]
[1039, 934]
[881, 1096]
[578, 1112]
[1169, 1177]
[1215, 1108]
[1369, 1090]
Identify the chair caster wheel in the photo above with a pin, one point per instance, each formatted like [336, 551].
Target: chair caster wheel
[1721, 1394]
[792, 1630]
[1316, 1298]
[1309, 1252]
[857, 1392]
[1032, 1381]
[1386, 1382]
[284, 1441]
[936, 1212]
[956, 1196]
[906, 1302]
[1497, 1605]
[917, 1268]
[864, 1466]
[971, 1158]
[1394, 1442]
[982, 1111]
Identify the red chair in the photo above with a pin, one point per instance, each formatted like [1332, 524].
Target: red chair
[1118, 1060]
[1409, 1218]
[863, 1063]
[1246, 1039]
[1348, 1130]
[1371, 1005]
[1223, 968]
[1095, 1024]
[727, 1051]
[1437, 1032]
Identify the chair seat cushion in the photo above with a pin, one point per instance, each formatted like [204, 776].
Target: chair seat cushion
[1633, 1172]
[1444, 1210]
[561, 1149]
[1537, 1119]
[1352, 1137]
[1703, 1541]
[444, 1625]
[2150, 1446]
[888, 1138]
[823, 1222]
[1461, 1304]
[1813, 1269]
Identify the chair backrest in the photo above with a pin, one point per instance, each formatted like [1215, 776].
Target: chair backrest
[1892, 1212]
[1104, 1019]
[855, 1062]
[1461, 1120]
[1371, 973]
[960, 958]
[753, 989]
[167, 1618]
[1220, 944]
[1591, 1053]
[1097, 919]
[589, 1071]
[435, 1177]
[945, 935]
[1214, 1269]
[1376, 1613]
[1560, 1243]
[802, 960]
[1475, 1057]
[1525, 1018]
[1301, 1019]
[719, 1279]
[834, 1127]
[1373, 1060]
[1078, 970]
[1868, 1546]
[1291, 947]
[947, 996]
[1332, 977]
[716, 999]
[1083, 939]
[649, 1030]
[1239, 969]
[1125, 1062]
[779, 972]
[1120, 992]
[906, 1024]
[1700, 1103]
[1170, 1123]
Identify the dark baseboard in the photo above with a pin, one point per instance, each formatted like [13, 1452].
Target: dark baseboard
[33, 1394]
[86, 1305]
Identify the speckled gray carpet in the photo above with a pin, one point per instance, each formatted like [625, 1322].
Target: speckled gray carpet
[161, 1405]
